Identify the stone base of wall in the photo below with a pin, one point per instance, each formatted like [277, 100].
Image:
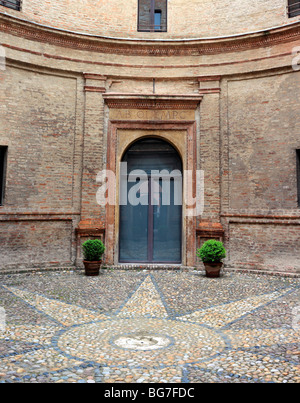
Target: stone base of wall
[194, 270]
[270, 272]
[251, 247]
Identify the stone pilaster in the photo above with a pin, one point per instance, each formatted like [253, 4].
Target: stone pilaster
[92, 222]
[209, 225]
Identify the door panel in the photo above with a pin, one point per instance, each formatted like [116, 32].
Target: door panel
[133, 231]
[166, 228]
[151, 232]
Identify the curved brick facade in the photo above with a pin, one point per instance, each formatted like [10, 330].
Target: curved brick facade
[72, 103]
[196, 19]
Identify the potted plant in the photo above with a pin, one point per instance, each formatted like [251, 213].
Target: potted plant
[211, 253]
[93, 250]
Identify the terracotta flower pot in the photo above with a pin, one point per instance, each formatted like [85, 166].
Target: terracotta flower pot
[213, 269]
[92, 268]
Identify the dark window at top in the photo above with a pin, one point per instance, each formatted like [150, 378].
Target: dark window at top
[298, 174]
[152, 15]
[293, 8]
[14, 4]
[3, 152]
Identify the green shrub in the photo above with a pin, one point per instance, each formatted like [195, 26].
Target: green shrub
[211, 251]
[93, 250]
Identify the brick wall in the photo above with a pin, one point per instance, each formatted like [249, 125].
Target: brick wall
[261, 246]
[39, 116]
[30, 243]
[263, 225]
[264, 124]
[38, 124]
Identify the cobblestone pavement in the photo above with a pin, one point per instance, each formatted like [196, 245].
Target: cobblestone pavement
[143, 327]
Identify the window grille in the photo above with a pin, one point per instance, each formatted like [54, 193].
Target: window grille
[14, 4]
[152, 15]
[293, 8]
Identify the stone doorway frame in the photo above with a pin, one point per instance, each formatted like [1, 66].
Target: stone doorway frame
[124, 128]
[150, 213]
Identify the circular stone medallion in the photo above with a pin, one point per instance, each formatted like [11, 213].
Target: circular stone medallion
[139, 341]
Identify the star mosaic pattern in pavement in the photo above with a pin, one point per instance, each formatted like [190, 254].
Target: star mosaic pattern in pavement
[151, 336]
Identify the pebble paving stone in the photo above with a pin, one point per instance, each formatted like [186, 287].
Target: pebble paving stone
[139, 326]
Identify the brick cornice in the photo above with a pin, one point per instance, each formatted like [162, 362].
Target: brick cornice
[203, 91]
[262, 216]
[151, 101]
[88, 88]
[91, 76]
[238, 43]
[208, 229]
